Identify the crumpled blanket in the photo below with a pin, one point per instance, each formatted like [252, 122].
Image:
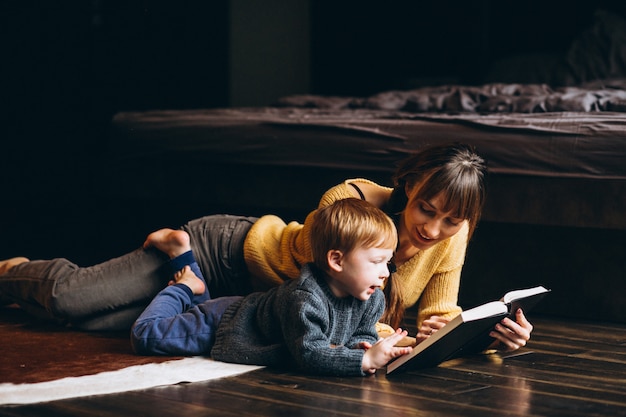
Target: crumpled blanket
[601, 95]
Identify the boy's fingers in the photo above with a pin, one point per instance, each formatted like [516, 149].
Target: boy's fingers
[397, 336]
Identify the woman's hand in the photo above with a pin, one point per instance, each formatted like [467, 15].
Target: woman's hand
[430, 326]
[511, 335]
[380, 353]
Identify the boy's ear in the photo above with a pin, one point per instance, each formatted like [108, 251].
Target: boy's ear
[334, 258]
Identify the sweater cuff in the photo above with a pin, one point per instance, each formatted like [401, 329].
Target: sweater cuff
[186, 289]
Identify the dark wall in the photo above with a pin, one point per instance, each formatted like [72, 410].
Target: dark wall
[67, 67]
[71, 64]
[363, 47]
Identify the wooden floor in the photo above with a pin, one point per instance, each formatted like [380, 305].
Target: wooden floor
[569, 369]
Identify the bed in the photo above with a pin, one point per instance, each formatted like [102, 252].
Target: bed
[555, 156]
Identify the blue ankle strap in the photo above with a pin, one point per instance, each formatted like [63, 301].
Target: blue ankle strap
[181, 261]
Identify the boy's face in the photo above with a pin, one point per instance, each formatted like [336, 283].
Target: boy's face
[361, 272]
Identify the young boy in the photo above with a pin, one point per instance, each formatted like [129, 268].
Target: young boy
[323, 323]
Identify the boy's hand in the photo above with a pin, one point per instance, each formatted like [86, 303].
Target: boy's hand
[364, 345]
[380, 353]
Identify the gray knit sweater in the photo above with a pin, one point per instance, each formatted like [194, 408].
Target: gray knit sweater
[302, 324]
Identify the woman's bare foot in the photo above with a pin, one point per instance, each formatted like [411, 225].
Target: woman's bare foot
[187, 277]
[10, 263]
[169, 241]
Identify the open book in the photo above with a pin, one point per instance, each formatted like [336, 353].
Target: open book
[467, 333]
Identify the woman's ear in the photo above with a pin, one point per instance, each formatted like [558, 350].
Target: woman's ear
[334, 258]
[407, 189]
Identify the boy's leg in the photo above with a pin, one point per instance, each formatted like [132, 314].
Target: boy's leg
[165, 330]
[187, 258]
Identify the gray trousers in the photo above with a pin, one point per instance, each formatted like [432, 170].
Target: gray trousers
[111, 295]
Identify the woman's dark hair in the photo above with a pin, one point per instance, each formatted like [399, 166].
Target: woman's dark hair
[455, 169]
[394, 303]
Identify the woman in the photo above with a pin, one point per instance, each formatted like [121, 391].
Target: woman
[436, 203]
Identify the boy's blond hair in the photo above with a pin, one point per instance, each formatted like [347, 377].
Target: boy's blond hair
[348, 224]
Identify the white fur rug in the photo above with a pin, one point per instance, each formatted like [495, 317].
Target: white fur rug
[132, 378]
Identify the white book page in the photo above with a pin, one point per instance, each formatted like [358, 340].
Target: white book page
[518, 294]
[486, 310]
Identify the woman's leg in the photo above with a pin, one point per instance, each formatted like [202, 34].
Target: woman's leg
[111, 295]
[217, 244]
[107, 296]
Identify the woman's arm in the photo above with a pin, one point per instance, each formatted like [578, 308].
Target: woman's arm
[373, 193]
[438, 302]
[434, 280]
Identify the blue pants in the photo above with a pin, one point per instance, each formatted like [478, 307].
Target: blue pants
[173, 325]
[111, 295]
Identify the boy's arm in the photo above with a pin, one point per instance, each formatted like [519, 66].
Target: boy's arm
[366, 331]
[378, 354]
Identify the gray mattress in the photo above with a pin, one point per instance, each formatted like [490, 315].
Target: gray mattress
[554, 168]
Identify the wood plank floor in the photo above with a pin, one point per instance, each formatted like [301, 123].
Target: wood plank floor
[569, 369]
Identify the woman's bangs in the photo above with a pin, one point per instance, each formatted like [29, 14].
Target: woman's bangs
[463, 198]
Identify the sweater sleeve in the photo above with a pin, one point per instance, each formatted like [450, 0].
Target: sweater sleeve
[440, 296]
[307, 341]
[366, 332]
[344, 190]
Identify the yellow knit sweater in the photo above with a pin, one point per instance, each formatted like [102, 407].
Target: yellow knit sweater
[275, 251]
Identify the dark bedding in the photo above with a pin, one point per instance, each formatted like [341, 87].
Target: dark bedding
[568, 145]
[605, 95]
[564, 168]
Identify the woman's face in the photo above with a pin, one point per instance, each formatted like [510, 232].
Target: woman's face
[427, 223]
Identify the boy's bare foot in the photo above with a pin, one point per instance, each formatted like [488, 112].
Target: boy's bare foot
[169, 241]
[10, 263]
[187, 277]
